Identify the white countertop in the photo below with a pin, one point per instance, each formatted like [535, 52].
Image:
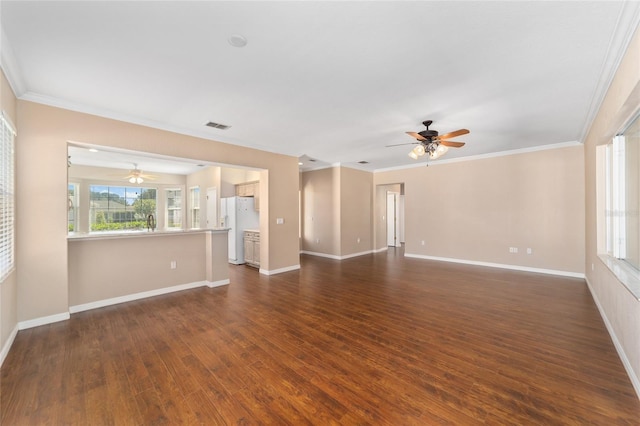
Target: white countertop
[252, 230]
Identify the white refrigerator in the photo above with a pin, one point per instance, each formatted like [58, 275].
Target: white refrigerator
[238, 213]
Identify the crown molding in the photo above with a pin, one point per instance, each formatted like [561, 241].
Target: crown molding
[626, 26]
[484, 156]
[10, 66]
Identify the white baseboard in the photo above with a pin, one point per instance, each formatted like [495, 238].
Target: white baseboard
[313, 253]
[380, 250]
[500, 265]
[336, 257]
[279, 271]
[362, 253]
[218, 283]
[633, 376]
[36, 322]
[7, 345]
[135, 296]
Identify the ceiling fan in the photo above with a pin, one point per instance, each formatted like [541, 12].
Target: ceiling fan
[431, 143]
[137, 176]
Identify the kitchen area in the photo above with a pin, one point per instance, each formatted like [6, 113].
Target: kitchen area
[241, 214]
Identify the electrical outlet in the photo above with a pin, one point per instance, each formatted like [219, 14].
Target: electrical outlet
[174, 264]
[317, 240]
[513, 249]
[358, 240]
[422, 242]
[529, 250]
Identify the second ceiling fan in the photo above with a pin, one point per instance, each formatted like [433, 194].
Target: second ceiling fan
[138, 176]
[429, 142]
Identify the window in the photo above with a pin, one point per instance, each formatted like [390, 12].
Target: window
[120, 208]
[174, 208]
[72, 208]
[195, 207]
[618, 179]
[622, 181]
[7, 197]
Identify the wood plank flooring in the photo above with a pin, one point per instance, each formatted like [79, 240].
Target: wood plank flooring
[378, 339]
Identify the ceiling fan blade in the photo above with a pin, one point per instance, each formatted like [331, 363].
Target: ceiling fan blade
[453, 134]
[451, 144]
[405, 143]
[416, 135]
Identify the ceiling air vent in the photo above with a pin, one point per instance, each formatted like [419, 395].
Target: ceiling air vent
[217, 125]
[363, 162]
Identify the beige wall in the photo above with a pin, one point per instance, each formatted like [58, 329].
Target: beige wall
[336, 211]
[356, 202]
[8, 287]
[101, 269]
[475, 210]
[41, 156]
[230, 177]
[320, 210]
[619, 308]
[204, 179]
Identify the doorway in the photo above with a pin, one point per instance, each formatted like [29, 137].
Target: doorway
[394, 237]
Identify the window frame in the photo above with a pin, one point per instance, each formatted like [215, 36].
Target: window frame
[613, 211]
[167, 208]
[7, 191]
[193, 208]
[73, 207]
[126, 188]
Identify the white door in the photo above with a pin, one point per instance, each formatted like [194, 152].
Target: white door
[212, 207]
[393, 213]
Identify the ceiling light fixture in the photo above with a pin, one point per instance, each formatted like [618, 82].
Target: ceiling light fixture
[237, 40]
[134, 179]
[431, 143]
[432, 148]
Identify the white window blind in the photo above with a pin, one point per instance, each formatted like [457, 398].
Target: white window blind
[7, 198]
[195, 207]
[174, 208]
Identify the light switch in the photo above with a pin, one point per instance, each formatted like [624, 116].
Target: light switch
[279, 221]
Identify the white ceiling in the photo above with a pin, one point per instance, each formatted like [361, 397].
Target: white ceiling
[333, 81]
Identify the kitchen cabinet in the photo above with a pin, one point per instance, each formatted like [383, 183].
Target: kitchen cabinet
[252, 248]
[250, 189]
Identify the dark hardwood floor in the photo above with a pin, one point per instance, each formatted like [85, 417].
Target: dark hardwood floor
[377, 339]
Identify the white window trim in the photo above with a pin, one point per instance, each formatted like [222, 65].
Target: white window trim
[7, 178]
[92, 183]
[612, 252]
[181, 208]
[192, 208]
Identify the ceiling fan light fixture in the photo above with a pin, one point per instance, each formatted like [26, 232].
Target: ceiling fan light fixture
[135, 179]
[413, 155]
[437, 151]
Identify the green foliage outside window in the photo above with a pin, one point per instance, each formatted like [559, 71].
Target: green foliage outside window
[121, 208]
